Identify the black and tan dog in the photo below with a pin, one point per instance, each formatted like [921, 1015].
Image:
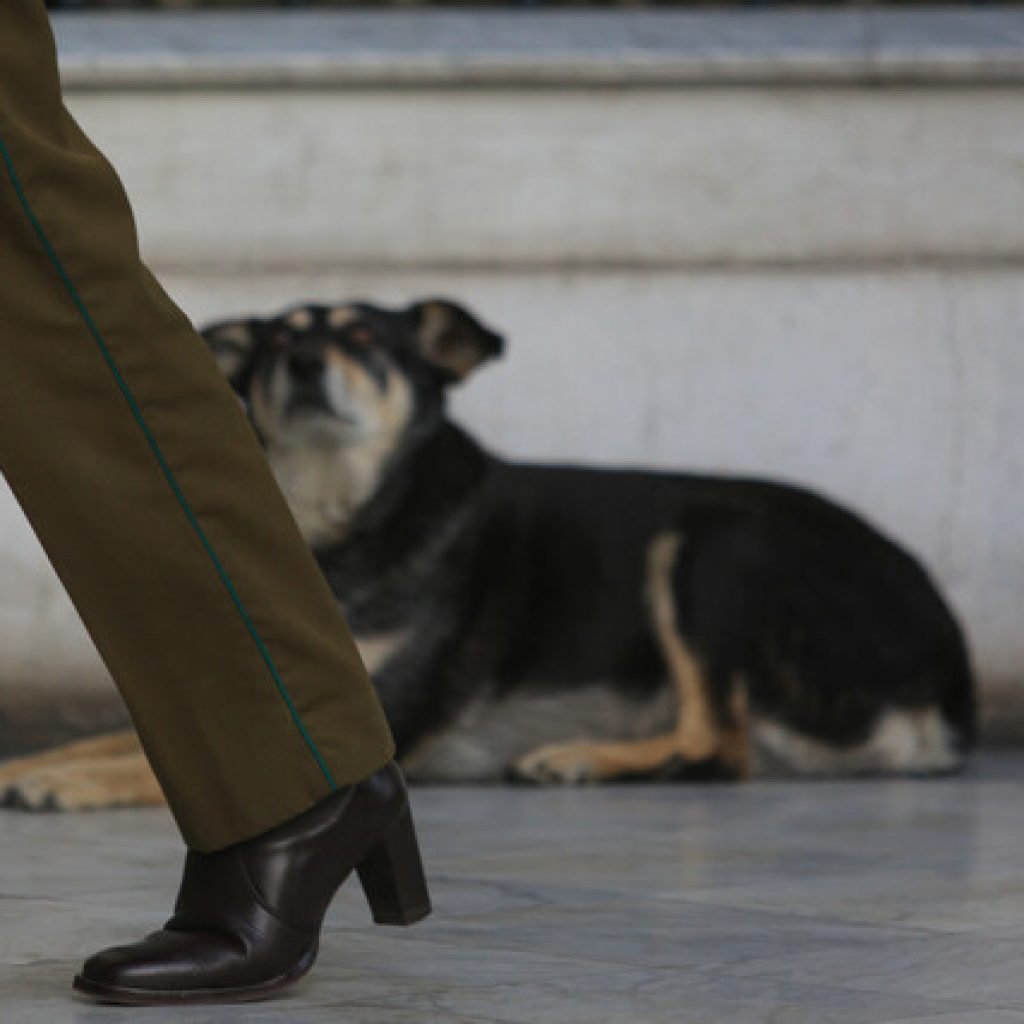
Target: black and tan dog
[560, 624]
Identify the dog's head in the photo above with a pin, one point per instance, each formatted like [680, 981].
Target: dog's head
[338, 393]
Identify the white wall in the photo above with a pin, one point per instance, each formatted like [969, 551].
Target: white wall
[635, 177]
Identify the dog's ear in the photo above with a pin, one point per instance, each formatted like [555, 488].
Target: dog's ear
[449, 337]
[234, 344]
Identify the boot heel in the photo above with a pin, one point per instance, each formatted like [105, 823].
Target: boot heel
[392, 877]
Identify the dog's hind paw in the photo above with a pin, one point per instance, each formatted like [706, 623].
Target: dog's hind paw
[557, 764]
[81, 784]
[31, 792]
[56, 788]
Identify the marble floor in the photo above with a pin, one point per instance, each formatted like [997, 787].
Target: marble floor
[853, 902]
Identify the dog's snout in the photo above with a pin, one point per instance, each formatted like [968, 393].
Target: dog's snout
[306, 365]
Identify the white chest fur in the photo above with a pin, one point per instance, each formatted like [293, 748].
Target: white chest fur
[325, 486]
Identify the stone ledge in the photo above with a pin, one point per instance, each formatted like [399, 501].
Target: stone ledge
[302, 49]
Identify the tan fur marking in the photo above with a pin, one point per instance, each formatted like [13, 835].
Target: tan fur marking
[104, 771]
[695, 736]
[695, 731]
[340, 316]
[456, 356]
[586, 761]
[107, 745]
[299, 319]
[231, 346]
[237, 333]
[376, 650]
[124, 780]
[393, 405]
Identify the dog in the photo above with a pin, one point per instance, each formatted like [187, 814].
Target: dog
[556, 624]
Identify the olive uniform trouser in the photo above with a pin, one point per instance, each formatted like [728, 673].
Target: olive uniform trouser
[147, 488]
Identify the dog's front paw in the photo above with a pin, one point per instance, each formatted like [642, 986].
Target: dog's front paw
[565, 764]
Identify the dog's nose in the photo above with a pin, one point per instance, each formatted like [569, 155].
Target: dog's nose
[305, 366]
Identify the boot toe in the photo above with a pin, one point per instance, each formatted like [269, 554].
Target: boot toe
[162, 962]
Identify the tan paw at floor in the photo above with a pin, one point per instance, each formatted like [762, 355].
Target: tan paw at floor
[558, 764]
[81, 785]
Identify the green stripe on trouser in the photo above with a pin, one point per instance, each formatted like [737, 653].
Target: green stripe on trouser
[148, 490]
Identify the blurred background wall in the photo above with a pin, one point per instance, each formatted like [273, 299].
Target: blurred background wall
[779, 243]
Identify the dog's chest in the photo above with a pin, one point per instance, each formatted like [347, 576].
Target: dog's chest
[323, 488]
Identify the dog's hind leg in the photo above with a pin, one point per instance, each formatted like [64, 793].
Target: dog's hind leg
[697, 739]
[109, 744]
[102, 771]
[86, 783]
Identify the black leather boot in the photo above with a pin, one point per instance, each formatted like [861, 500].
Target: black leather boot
[247, 918]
